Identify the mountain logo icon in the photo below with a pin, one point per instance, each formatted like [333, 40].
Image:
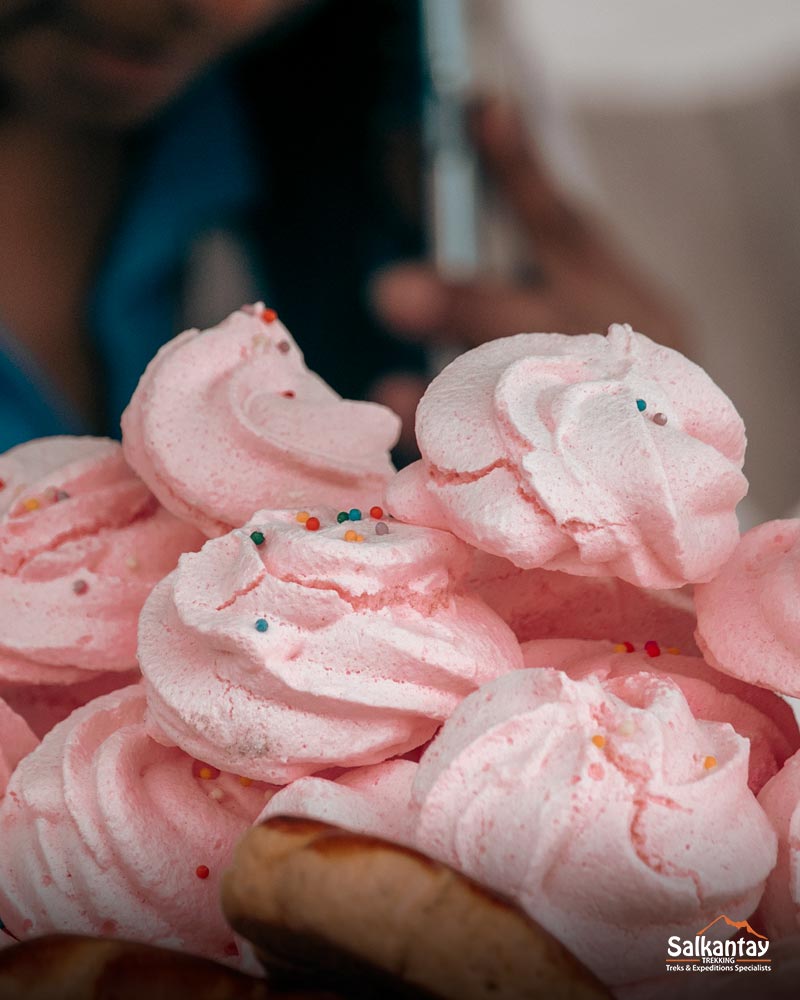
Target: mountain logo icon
[739, 925]
[735, 946]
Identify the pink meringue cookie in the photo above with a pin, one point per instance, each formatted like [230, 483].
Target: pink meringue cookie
[82, 542]
[374, 800]
[599, 456]
[43, 706]
[229, 420]
[105, 831]
[780, 906]
[762, 717]
[748, 616]
[546, 604]
[16, 742]
[604, 808]
[306, 651]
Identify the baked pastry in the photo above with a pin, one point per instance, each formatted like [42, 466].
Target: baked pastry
[599, 456]
[358, 910]
[73, 967]
[227, 421]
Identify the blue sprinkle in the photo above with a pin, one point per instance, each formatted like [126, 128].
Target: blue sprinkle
[641, 405]
[262, 625]
[355, 514]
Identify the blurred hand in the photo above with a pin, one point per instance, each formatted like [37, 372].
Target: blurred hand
[582, 285]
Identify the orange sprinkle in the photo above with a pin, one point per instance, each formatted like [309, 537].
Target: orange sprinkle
[31, 504]
[207, 772]
[709, 762]
[351, 536]
[247, 782]
[359, 538]
[599, 741]
[302, 516]
[620, 647]
[268, 315]
[673, 650]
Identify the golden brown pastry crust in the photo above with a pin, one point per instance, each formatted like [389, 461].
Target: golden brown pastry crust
[388, 921]
[73, 967]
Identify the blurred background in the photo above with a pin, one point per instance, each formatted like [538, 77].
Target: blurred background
[164, 161]
[678, 123]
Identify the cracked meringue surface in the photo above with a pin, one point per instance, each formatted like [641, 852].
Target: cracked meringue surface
[611, 814]
[306, 649]
[599, 456]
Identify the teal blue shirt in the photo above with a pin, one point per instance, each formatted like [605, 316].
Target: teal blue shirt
[197, 174]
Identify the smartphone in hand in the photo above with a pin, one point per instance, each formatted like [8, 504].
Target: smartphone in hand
[452, 170]
[453, 185]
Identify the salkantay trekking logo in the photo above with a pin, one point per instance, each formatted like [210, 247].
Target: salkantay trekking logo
[705, 952]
